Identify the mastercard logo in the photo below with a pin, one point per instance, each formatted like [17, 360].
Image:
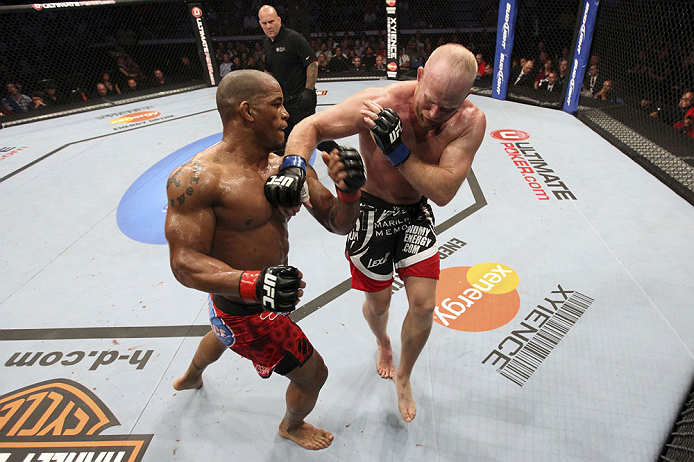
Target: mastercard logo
[136, 117]
[196, 11]
[392, 66]
[478, 298]
[391, 2]
[509, 135]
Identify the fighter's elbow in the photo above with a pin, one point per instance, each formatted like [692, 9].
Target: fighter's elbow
[181, 271]
[441, 200]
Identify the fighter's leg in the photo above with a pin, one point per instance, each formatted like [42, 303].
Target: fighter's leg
[209, 350]
[421, 296]
[305, 383]
[375, 310]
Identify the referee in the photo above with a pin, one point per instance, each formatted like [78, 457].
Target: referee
[290, 59]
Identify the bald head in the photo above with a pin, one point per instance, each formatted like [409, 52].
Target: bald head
[455, 62]
[267, 10]
[269, 21]
[443, 84]
[242, 85]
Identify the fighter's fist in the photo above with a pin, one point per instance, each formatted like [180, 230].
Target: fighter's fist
[288, 188]
[276, 288]
[354, 167]
[387, 133]
[346, 167]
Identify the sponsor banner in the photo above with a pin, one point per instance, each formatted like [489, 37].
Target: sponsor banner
[392, 46]
[478, 298]
[504, 47]
[202, 38]
[136, 117]
[542, 328]
[581, 55]
[61, 420]
[137, 359]
[133, 117]
[63, 5]
[8, 151]
[542, 180]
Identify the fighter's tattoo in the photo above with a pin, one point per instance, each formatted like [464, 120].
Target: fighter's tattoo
[194, 179]
[312, 75]
[173, 180]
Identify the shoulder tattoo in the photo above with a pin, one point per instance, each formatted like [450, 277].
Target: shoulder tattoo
[177, 181]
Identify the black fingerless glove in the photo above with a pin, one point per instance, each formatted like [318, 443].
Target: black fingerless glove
[356, 174]
[387, 133]
[276, 288]
[288, 188]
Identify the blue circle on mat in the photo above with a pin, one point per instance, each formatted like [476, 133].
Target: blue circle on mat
[142, 209]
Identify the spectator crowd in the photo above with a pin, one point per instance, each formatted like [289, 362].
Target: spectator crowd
[657, 80]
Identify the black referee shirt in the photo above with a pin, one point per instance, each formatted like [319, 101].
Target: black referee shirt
[287, 59]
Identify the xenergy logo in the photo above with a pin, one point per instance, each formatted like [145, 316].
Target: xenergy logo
[478, 298]
[135, 117]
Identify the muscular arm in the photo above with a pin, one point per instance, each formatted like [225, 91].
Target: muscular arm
[311, 75]
[190, 225]
[336, 216]
[333, 123]
[441, 182]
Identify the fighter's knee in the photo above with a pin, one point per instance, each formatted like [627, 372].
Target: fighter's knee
[422, 311]
[376, 309]
[377, 303]
[320, 372]
[322, 375]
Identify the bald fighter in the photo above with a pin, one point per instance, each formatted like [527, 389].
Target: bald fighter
[227, 240]
[418, 140]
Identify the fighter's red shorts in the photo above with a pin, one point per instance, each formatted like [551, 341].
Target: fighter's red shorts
[272, 341]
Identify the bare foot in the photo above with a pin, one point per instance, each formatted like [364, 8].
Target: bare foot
[405, 399]
[307, 435]
[185, 383]
[384, 363]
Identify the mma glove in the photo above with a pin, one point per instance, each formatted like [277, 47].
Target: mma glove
[288, 188]
[356, 174]
[387, 133]
[307, 99]
[276, 288]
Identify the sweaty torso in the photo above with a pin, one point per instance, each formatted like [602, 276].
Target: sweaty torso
[387, 182]
[249, 233]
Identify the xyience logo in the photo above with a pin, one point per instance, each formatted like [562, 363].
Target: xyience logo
[135, 117]
[478, 298]
[61, 420]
